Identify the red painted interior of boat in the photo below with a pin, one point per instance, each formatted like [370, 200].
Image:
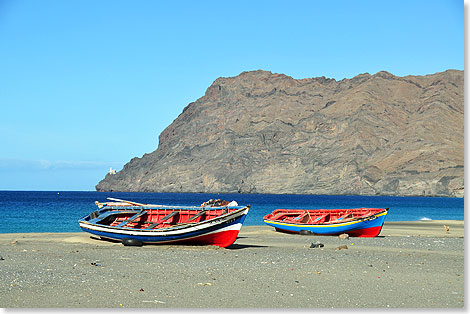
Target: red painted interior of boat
[162, 218]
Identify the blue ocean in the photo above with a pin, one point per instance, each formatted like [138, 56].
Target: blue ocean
[57, 211]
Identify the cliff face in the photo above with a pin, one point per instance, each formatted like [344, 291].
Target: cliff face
[261, 132]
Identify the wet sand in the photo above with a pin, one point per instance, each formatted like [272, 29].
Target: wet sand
[410, 265]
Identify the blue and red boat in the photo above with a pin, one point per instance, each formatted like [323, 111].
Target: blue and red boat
[356, 222]
[213, 223]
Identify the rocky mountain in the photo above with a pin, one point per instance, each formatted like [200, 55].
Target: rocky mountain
[261, 132]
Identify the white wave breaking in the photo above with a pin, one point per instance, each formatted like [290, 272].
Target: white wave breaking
[425, 218]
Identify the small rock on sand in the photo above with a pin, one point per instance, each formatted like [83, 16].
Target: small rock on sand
[316, 245]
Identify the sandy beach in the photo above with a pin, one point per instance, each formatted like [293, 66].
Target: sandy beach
[410, 265]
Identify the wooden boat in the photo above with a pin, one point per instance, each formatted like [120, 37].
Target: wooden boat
[357, 222]
[136, 224]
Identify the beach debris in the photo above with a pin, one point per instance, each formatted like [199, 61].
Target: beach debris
[204, 284]
[447, 229]
[154, 301]
[344, 236]
[1, 258]
[13, 242]
[316, 245]
[141, 289]
[96, 264]
[342, 247]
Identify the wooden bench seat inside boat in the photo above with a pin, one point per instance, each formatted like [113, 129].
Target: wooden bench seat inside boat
[302, 218]
[132, 219]
[278, 216]
[322, 219]
[168, 219]
[343, 218]
[197, 217]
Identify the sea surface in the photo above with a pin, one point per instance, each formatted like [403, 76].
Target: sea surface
[57, 211]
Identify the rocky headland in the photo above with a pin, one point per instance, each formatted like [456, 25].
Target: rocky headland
[261, 132]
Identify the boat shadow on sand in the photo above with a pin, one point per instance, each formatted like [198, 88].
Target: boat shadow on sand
[230, 247]
[244, 246]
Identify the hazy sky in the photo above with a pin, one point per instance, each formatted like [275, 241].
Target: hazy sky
[85, 85]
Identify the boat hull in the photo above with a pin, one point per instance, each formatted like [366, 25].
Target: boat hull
[365, 227]
[221, 231]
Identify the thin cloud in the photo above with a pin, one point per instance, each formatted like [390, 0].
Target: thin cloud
[32, 165]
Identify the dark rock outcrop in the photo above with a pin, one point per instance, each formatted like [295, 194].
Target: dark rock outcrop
[261, 132]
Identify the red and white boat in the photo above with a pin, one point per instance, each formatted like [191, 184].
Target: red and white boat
[136, 224]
